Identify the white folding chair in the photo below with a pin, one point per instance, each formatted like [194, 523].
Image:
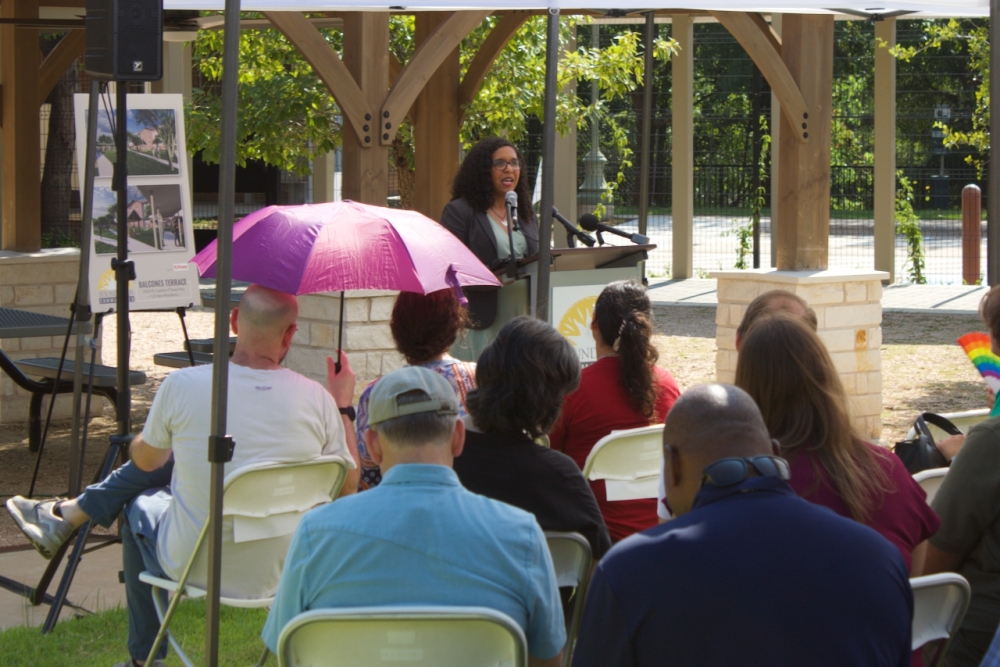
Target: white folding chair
[963, 420]
[262, 505]
[939, 604]
[572, 560]
[417, 636]
[930, 481]
[628, 461]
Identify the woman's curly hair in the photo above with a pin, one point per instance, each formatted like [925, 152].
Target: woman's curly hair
[522, 378]
[425, 326]
[474, 180]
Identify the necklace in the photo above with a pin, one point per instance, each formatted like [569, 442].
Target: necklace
[502, 219]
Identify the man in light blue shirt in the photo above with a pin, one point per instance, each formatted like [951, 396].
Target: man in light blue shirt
[419, 538]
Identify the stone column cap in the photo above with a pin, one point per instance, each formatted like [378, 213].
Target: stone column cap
[801, 277]
[63, 254]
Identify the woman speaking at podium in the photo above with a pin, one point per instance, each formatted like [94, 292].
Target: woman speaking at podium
[477, 216]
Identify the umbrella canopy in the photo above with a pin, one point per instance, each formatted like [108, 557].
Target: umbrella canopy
[347, 246]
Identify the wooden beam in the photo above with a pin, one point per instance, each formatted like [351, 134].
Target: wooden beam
[885, 148]
[330, 69]
[769, 33]
[483, 60]
[395, 67]
[435, 126]
[69, 48]
[444, 40]
[366, 56]
[769, 61]
[20, 160]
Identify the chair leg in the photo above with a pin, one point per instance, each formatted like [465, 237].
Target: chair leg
[263, 658]
[35, 421]
[163, 628]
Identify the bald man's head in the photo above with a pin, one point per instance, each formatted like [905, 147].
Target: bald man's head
[772, 302]
[713, 421]
[265, 314]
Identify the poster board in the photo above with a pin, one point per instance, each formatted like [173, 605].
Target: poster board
[160, 222]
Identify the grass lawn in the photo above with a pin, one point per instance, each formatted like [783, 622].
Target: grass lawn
[100, 640]
[105, 249]
[140, 165]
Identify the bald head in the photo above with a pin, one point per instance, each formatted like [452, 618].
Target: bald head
[264, 323]
[713, 421]
[774, 302]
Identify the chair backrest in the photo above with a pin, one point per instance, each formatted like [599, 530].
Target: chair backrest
[415, 636]
[573, 561]
[930, 481]
[261, 508]
[629, 462]
[939, 604]
[963, 420]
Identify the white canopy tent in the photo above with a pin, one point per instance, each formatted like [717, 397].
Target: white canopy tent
[219, 443]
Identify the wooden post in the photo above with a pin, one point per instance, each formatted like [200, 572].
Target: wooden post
[435, 130]
[20, 165]
[324, 167]
[885, 148]
[366, 56]
[972, 220]
[775, 128]
[804, 167]
[564, 197]
[682, 147]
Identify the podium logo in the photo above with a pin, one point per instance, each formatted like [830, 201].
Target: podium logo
[575, 322]
[107, 288]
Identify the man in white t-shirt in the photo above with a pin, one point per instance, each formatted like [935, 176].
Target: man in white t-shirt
[274, 415]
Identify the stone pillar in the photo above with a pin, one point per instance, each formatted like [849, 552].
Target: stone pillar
[682, 147]
[368, 341]
[40, 282]
[848, 305]
[885, 148]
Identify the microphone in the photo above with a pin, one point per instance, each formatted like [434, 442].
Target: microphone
[590, 223]
[511, 201]
[572, 231]
[512, 210]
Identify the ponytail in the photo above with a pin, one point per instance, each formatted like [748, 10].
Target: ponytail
[622, 313]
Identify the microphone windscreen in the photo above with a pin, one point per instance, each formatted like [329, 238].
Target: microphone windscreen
[589, 222]
[512, 198]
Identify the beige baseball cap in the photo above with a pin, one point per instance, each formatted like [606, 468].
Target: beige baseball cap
[383, 404]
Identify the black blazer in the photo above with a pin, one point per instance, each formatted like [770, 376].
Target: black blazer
[474, 229]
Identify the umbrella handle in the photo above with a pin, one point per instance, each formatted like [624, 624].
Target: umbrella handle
[340, 333]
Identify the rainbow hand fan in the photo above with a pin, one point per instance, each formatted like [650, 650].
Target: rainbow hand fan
[977, 346]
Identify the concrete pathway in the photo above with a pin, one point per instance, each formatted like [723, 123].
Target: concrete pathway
[95, 586]
[940, 299]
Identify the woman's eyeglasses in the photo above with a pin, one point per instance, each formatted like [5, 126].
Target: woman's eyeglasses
[732, 471]
[500, 165]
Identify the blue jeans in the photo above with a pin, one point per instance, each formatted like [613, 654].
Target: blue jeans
[141, 498]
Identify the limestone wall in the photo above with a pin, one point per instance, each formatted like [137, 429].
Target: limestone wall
[367, 339]
[849, 316]
[42, 282]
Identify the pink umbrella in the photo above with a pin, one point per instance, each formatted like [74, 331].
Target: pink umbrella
[347, 246]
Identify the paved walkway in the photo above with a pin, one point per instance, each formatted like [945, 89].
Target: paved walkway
[940, 299]
[95, 586]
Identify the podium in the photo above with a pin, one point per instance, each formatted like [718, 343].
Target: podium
[576, 278]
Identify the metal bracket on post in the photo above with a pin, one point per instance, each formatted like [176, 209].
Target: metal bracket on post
[128, 266]
[220, 448]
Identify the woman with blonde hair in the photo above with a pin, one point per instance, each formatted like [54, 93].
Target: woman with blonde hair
[787, 370]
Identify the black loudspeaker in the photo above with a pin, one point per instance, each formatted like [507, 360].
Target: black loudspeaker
[125, 39]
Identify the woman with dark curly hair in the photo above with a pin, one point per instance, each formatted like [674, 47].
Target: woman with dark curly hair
[477, 216]
[522, 378]
[424, 326]
[623, 389]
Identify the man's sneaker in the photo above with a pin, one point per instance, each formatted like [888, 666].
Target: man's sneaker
[44, 530]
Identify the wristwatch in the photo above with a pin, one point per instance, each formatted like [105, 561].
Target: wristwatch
[351, 413]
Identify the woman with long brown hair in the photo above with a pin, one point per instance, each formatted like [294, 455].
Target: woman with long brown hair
[623, 389]
[787, 370]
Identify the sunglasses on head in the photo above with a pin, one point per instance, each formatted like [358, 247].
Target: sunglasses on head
[732, 471]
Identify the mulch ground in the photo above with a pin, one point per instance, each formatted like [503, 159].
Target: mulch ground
[922, 370]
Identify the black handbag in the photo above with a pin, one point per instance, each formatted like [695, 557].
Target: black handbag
[920, 452]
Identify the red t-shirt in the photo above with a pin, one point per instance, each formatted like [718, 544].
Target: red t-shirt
[599, 406]
[903, 517]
